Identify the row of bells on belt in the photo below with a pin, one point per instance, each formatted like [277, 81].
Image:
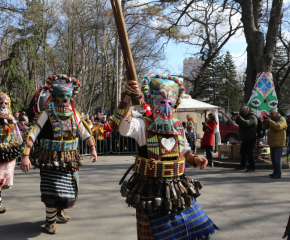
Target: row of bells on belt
[9, 153]
[55, 165]
[158, 203]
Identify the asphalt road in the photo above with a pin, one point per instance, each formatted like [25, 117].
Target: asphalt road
[243, 205]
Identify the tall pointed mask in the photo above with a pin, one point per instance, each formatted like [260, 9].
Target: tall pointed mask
[263, 97]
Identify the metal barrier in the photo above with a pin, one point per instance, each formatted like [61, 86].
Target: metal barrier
[115, 143]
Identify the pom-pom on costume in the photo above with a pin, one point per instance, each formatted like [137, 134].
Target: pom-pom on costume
[163, 196]
[58, 125]
[9, 145]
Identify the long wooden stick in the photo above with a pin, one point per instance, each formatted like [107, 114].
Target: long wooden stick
[124, 41]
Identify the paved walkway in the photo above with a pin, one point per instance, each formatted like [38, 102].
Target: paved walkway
[245, 206]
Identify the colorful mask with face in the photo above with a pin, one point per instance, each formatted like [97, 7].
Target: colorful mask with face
[63, 89]
[5, 108]
[263, 97]
[163, 94]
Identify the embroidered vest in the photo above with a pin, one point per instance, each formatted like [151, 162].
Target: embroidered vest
[161, 146]
[165, 153]
[67, 128]
[7, 137]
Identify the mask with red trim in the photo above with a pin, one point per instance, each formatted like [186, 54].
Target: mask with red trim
[163, 94]
[63, 89]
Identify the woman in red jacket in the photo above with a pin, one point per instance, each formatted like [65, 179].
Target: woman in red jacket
[208, 137]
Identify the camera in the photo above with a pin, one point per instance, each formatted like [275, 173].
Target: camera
[266, 117]
[203, 123]
[236, 113]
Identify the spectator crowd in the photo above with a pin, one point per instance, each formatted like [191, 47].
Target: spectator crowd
[277, 132]
[107, 140]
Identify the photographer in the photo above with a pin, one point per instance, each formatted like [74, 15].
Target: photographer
[208, 137]
[248, 123]
[276, 139]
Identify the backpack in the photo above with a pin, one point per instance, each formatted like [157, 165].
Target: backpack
[260, 130]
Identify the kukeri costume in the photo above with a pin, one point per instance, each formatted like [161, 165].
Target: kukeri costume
[9, 145]
[58, 126]
[163, 196]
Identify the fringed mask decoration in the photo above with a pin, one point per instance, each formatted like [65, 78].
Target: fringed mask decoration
[163, 94]
[5, 107]
[63, 89]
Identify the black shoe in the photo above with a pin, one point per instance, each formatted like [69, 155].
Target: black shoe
[251, 170]
[271, 175]
[275, 176]
[240, 168]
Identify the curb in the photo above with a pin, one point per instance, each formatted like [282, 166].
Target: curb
[258, 166]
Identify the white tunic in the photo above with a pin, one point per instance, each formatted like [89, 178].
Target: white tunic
[44, 117]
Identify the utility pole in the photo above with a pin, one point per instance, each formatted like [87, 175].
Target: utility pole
[117, 78]
[120, 66]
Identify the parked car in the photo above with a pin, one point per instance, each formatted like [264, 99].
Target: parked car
[229, 131]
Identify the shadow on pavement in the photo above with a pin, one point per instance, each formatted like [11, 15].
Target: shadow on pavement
[24, 230]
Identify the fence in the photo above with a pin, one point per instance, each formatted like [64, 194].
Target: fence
[115, 144]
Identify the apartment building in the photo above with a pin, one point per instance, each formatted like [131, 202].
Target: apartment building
[191, 67]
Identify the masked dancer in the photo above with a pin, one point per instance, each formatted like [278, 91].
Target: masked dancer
[9, 145]
[163, 196]
[58, 126]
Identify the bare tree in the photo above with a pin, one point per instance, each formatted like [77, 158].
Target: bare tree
[261, 47]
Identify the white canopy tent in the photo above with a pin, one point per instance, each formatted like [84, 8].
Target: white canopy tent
[189, 105]
[192, 105]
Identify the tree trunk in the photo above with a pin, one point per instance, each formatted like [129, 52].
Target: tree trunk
[251, 77]
[260, 54]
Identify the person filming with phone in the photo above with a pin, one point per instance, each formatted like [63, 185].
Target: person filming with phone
[208, 137]
[276, 139]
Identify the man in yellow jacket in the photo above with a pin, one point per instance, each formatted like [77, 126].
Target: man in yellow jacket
[276, 139]
[98, 129]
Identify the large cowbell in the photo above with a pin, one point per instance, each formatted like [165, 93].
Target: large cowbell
[263, 97]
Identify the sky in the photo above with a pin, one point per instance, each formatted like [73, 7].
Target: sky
[177, 52]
